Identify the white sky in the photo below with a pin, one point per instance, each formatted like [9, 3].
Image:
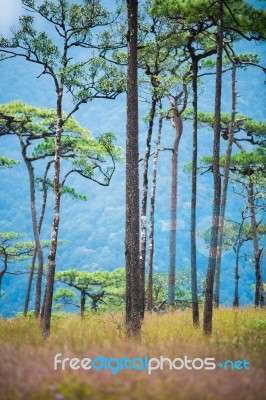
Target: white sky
[10, 11]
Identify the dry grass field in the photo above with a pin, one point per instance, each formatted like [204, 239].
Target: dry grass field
[27, 363]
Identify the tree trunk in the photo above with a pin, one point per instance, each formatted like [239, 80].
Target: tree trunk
[46, 323]
[259, 289]
[236, 291]
[216, 297]
[207, 320]
[194, 289]
[143, 219]
[133, 283]
[82, 302]
[42, 309]
[152, 210]
[36, 233]
[27, 299]
[178, 125]
[2, 273]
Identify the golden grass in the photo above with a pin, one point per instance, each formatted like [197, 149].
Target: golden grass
[27, 372]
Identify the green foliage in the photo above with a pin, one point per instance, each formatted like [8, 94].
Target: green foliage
[65, 296]
[183, 289]
[248, 162]
[239, 16]
[86, 156]
[231, 232]
[63, 293]
[260, 325]
[110, 81]
[12, 250]
[84, 77]
[6, 162]
[34, 122]
[246, 167]
[99, 286]
[66, 190]
[245, 127]
[7, 236]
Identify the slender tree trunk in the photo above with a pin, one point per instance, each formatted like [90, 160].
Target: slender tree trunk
[238, 246]
[259, 288]
[44, 199]
[143, 219]
[42, 309]
[36, 233]
[152, 211]
[28, 292]
[216, 297]
[194, 288]
[2, 273]
[208, 304]
[49, 288]
[133, 283]
[82, 302]
[178, 125]
[236, 288]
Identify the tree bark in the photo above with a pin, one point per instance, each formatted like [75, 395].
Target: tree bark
[152, 211]
[178, 126]
[194, 289]
[143, 219]
[27, 298]
[2, 273]
[259, 288]
[28, 292]
[36, 233]
[132, 254]
[216, 297]
[236, 291]
[208, 304]
[46, 322]
[82, 302]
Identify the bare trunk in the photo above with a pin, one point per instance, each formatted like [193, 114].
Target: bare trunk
[44, 199]
[42, 309]
[216, 297]
[208, 304]
[2, 273]
[46, 322]
[36, 233]
[27, 298]
[133, 284]
[238, 246]
[82, 302]
[194, 289]
[236, 288]
[178, 125]
[143, 219]
[259, 288]
[152, 210]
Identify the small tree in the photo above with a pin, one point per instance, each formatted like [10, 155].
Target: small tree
[98, 286]
[12, 251]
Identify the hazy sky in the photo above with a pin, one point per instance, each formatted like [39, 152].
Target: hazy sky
[10, 11]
